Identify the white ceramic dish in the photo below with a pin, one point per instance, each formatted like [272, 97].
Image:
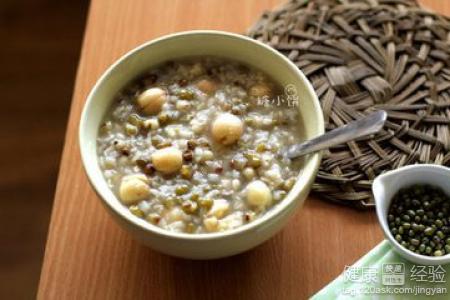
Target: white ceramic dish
[226, 45]
[388, 184]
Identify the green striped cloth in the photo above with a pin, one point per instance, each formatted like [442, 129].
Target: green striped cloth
[383, 274]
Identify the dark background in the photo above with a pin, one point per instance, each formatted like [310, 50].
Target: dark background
[39, 51]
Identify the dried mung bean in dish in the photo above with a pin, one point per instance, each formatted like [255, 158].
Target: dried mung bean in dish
[190, 148]
[419, 219]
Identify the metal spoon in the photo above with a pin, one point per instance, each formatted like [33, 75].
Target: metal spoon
[368, 125]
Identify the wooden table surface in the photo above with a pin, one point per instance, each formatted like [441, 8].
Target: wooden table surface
[89, 257]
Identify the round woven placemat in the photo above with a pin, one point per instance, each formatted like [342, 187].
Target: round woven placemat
[363, 56]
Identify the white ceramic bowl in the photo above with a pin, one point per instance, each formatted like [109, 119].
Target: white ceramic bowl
[387, 185]
[175, 46]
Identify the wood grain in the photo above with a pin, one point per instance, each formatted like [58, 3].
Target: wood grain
[89, 257]
[36, 91]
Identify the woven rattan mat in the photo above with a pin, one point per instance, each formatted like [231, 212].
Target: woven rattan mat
[363, 56]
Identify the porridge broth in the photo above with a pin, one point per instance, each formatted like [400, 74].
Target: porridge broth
[192, 146]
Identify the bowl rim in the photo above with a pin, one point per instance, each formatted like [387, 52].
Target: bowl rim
[313, 159]
[382, 218]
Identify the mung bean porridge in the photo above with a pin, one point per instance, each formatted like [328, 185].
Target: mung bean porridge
[189, 147]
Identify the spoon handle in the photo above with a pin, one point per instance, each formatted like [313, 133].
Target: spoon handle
[370, 124]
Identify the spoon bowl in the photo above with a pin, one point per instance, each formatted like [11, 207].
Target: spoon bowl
[367, 125]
